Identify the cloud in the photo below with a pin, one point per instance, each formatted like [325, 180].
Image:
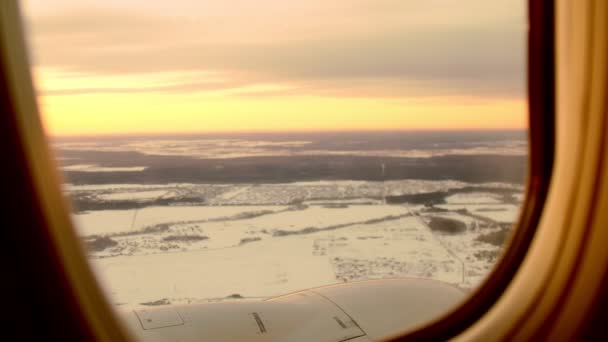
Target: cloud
[170, 88]
[390, 56]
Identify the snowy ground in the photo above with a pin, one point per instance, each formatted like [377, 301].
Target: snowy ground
[97, 168]
[235, 148]
[100, 222]
[501, 213]
[263, 240]
[472, 198]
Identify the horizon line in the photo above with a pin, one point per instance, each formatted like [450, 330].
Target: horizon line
[270, 132]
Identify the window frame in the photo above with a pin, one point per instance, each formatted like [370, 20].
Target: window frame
[83, 299]
[53, 291]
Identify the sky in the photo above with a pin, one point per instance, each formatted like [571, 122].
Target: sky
[192, 66]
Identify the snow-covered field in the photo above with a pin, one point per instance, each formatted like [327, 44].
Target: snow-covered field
[260, 194]
[252, 270]
[261, 240]
[135, 195]
[275, 265]
[100, 222]
[502, 213]
[472, 198]
[235, 148]
[97, 168]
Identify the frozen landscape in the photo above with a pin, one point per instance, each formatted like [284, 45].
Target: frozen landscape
[253, 237]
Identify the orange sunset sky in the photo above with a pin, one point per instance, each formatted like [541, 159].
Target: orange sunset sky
[125, 67]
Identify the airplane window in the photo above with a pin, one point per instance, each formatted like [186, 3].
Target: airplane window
[232, 152]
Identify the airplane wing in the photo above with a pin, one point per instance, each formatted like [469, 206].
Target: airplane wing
[359, 311]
